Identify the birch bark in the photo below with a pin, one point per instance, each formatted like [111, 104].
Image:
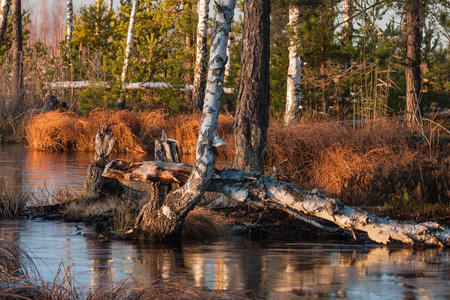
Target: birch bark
[294, 78]
[165, 223]
[69, 21]
[129, 39]
[229, 53]
[4, 10]
[198, 92]
[347, 12]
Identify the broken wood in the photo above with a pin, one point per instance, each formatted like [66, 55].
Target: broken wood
[254, 187]
[95, 185]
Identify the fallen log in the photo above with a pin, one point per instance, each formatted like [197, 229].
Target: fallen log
[61, 85]
[249, 186]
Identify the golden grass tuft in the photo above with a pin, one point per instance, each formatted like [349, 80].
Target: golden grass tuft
[203, 224]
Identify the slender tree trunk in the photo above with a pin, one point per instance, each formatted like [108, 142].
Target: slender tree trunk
[17, 52]
[121, 101]
[108, 10]
[347, 26]
[252, 111]
[110, 6]
[229, 54]
[4, 10]
[412, 69]
[69, 21]
[323, 79]
[165, 223]
[189, 43]
[198, 90]
[294, 78]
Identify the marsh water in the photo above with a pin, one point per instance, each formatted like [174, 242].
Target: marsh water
[261, 269]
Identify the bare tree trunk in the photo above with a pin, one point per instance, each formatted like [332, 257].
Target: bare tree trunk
[17, 52]
[108, 10]
[95, 185]
[121, 101]
[69, 22]
[165, 223]
[294, 78]
[229, 53]
[252, 111]
[412, 69]
[198, 89]
[4, 10]
[261, 190]
[110, 6]
[347, 26]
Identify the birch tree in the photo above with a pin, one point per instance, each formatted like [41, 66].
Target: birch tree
[252, 111]
[129, 45]
[347, 25]
[69, 22]
[4, 10]
[164, 224]
[294, 77]
[198, 90]
[229, 53]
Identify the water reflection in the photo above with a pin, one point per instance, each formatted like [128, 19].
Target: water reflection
[262, 269]
[43, 172]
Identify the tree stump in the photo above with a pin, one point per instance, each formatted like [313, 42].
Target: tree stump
[95, 185]
[166, 151]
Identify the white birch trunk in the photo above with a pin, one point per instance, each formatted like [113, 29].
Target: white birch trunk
[110, 6]
[254, 188]
[69, 21]
[198, 92]
[347, 8]
[129, 39]
[165, 223]
[294, 92]
[229, 53]
[4, 10]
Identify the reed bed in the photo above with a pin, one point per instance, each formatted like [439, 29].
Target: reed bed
[19, 279]
[338, 158]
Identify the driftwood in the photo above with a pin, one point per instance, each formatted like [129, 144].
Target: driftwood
[254, 187]
[95, 184]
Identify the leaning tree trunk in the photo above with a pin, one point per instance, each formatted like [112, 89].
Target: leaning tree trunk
[412, 69]
[4, 10]
[69, 22]
[95, 185]
[17, 53]
[252, 111]
[294, 77]
[261, 190]
[198, 88]
[121, 101]
[165, 223]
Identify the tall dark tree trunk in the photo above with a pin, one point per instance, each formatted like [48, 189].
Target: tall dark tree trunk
[252, 111]
[17, 52]
[4, 10]
[412, 70]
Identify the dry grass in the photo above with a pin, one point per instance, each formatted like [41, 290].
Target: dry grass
[203, 224]
[12, 201]
[329, 155]
[19, 279]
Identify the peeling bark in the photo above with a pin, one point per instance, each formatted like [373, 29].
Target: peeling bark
[261, 189]
[198, 90]
[294, 91]
[165, 223]
[69, 22]
[4, 10]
